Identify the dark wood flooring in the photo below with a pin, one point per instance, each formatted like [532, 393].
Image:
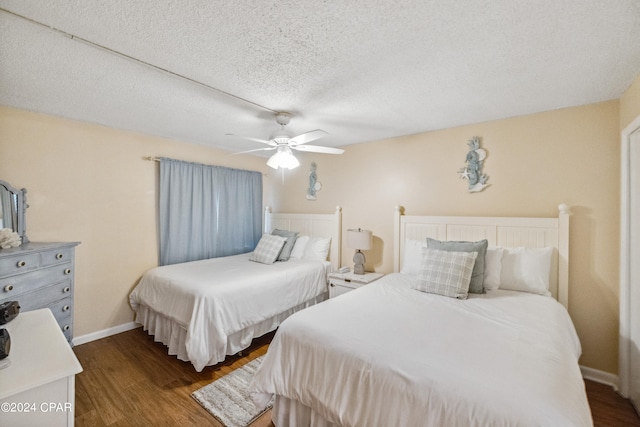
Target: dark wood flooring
[129, 380]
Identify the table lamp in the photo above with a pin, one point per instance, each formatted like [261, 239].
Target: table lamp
[359, 240]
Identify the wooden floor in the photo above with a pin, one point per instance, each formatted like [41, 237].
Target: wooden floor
[129, 380]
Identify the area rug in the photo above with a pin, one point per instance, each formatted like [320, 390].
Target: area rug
[227, 398]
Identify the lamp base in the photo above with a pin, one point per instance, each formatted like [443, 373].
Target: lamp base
[358, 261]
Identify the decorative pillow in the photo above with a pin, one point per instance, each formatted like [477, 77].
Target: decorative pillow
[298, 247]
[446, 273]
[291, 240]
[412, 257]
[477, 278]
[268, 249]
[492, 268]
[526, 269]
[317, 249]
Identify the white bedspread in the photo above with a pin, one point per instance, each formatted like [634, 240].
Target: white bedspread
[214, 298]
[387, 355]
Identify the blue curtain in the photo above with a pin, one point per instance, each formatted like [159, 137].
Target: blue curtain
[207, 211]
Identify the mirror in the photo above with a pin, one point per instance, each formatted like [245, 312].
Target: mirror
[13, 204]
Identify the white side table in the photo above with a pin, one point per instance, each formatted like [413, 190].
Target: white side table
[342, 283]
[38, 387]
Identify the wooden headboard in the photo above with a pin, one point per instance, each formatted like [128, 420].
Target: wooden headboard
[499, 231]
[313, 225]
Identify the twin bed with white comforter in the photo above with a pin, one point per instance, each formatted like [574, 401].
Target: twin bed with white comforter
[399, 352]
[205, 310]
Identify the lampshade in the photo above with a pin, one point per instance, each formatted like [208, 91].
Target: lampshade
[283, 158]
[359, 239]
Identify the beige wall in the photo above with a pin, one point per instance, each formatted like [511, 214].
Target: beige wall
[90, 184]
[630, 103]
[534, 163]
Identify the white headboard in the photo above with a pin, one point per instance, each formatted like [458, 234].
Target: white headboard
[499, 231]
[313, 225]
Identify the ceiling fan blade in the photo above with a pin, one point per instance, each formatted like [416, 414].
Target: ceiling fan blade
[251, 151]
[318, 149]
[263, 141]
[303, 138]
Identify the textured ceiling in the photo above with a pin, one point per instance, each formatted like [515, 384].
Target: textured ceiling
[360, 70]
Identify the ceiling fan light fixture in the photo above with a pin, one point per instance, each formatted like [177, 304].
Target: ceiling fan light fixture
[280, 135]
[283, 158]
[283, 143]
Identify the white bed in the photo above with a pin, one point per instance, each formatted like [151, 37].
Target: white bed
[388, 354]
[205, 310]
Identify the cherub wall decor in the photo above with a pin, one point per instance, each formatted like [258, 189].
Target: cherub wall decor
[473, 171]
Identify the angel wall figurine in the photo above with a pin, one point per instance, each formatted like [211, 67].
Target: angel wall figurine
[473, 171]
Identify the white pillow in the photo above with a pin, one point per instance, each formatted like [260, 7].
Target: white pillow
[492, 268]
[268, 249]
[298, 247]
[445, 273]
[317, 249]
[526, 269]
[412, 257]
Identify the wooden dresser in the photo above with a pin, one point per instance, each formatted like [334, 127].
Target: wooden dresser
[40, 275]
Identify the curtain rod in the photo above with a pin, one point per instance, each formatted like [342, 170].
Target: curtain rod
[157, 159]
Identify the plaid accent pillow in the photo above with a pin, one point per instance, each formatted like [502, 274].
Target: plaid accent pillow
[268, 249]
[445, 272]
[476, 285]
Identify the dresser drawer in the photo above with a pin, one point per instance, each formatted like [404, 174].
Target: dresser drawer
[14, 286]
[19, 263]
[57, 298]
[62, 310]
[67, 328]
[43, 297]
[57, 256]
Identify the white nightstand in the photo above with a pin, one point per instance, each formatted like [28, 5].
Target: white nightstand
[38, 387]
[342, 283]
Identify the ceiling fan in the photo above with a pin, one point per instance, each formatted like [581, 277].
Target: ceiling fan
[283, 144]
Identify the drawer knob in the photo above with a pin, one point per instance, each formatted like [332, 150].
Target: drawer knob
[66, 308]
[332, 285]
[66, 328]
[67, 271]
[66, 289]
[8, 288]
[21, 264]
[59, 256]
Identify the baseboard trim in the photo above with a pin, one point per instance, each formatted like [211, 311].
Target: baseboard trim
[598, 376]
[83, 339]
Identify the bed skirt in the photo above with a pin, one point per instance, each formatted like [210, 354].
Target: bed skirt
[290, 413]
[173, 335]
